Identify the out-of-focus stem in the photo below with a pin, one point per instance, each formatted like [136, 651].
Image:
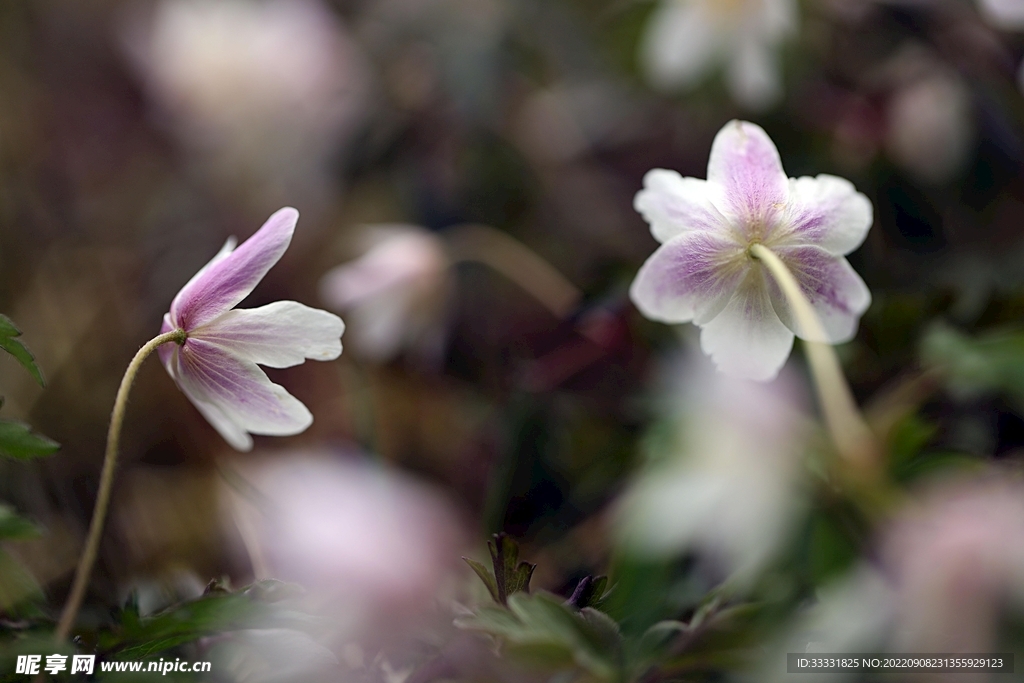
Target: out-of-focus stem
[849, 431]
[99, 513]
[510, 257]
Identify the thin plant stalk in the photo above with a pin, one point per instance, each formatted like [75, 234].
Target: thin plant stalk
[510, 257]
[99, 513]
[846, 425]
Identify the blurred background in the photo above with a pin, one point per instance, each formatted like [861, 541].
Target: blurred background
[465, 171]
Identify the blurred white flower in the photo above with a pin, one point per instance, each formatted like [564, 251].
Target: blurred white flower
[730, 487]
[1003, 14]
[369, 544]
[269, 89]
[958, 561]
[930, 127]
[394, 293]
[685, 39]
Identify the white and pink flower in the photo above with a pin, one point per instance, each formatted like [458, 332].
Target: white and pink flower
[216, 365]
[704, 271]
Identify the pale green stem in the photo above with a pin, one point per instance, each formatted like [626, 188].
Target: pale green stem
[849, 431]
[510, 257]
[99, 513]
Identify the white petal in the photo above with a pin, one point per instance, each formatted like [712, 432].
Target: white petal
[1005, 14]
[835, 290]
[232, 275]
[753, 75]
[747, 339]
[674, 205]
[679, 44]
[746, 165]
[827, 212]
[235, 395]
[380, 326]
[278, 335]
[692, 277]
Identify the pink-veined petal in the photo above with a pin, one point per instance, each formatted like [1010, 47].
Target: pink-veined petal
[745, 164]
[825, 211]
[747, 339]
[690, 277]
[835, 290]
[674, 205]
[230, 277]
[679, 45]
[236, 393]
[278, 335]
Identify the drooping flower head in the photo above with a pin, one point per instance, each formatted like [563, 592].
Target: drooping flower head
[704, 271]
[216, 365]
[394, 293]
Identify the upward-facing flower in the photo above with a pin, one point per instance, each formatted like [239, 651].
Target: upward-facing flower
[216, 364]
[685, 39]
[706, 270]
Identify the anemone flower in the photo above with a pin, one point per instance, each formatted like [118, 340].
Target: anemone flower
[216, 364]
[728, 483]
[393, 295]
[718, 235]
[685, 39]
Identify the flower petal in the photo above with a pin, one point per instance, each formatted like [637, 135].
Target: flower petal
[753, 74]
[835, 290]
[747, 339]
[674, 205]
[231, 276]
[691, 277]
[278, 335]
[679, 45]
[235, 395]
[825, 211]
[746, 165]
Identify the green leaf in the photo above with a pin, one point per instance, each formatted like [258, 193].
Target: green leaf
[13, 527]
[259, 606]
[509, 575]
[18, 441]
[486, 577]
[9, 342]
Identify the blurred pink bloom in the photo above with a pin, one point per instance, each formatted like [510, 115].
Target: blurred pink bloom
[686, 39]
[369, 543]
[266, 89]
[704, 273]
[216, 366]
[393, 294]
[958, 561]
[728, 483]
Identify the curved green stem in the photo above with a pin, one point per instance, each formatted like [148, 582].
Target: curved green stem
[510, 257]
[849, 431]
[99, 513]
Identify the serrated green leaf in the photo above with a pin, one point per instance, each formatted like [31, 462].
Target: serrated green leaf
[14, 527]
[486, 577]
[18, 441]
[9, 342]
[253, 608]
[519, 581]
